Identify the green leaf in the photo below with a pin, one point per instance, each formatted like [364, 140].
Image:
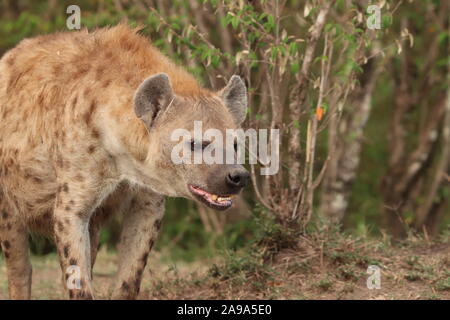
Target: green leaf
[235, 22]
[295, 67]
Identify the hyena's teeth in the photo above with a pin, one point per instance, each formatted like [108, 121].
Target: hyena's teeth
[224, 198]
[214, 197]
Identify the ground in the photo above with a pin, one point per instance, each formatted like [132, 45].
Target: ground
[315, 267]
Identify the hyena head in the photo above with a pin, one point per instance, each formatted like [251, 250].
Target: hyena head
[203, 121]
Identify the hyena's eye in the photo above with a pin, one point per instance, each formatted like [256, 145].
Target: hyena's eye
[235, 146]
[195, 145]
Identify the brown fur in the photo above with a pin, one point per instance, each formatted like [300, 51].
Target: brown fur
[73, 152]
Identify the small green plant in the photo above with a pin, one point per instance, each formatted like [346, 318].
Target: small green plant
[443, 285]
[415, 276]
[299, 267]
[349, 258]
[324, 284]
[348, 273]
[413, 261]
[253, 262]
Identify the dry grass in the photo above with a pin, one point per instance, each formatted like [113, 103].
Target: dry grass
[317, 267]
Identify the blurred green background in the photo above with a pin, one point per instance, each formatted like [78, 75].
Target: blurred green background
[188, 233]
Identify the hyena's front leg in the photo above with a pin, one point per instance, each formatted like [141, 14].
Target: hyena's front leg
[14, 243]
[73, 209]
[140, 229]
[94, 239]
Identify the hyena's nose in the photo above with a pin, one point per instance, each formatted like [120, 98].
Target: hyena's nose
[237, 178]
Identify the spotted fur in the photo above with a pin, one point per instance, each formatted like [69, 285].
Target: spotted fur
[73, 151]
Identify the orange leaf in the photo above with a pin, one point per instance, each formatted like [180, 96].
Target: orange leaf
[319, 113]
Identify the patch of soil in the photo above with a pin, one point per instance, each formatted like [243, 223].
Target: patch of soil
[315, 269]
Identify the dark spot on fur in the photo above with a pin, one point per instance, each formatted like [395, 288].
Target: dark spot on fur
[106, 83]
[125, 286]
[37, 180]
[4, 215]
[6, 254]
[57, 70]
[99, 73]
[95, 134]
[90, 112]
[150, 244]
[73, 262]
[58, 200]
[137, 283]
[74, 102]
[59, 226]
[6, 244]
[66, 251]
[60, 162]
[65, 187]
[80, 72]
[158, 224]
[67, 208]
[160, 202]
[144, 258]
[87, 92]
[91, 149]
[127, 44]
[8, 226]
[10, 61]
[79, 178]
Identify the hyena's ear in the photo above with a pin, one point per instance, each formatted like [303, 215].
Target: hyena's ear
[152, 97]
[234, 96]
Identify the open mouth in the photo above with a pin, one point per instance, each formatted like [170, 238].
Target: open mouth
[214, 201]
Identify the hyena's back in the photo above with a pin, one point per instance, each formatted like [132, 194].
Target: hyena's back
[60, 97]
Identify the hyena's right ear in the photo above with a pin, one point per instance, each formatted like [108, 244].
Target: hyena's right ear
[152, 97]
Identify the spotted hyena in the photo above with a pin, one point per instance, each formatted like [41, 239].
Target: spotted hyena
[86, 123]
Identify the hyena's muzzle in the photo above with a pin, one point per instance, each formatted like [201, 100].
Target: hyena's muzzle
[222, 184]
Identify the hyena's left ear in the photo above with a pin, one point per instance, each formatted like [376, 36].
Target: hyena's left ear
[234, 96]
[152, 97]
